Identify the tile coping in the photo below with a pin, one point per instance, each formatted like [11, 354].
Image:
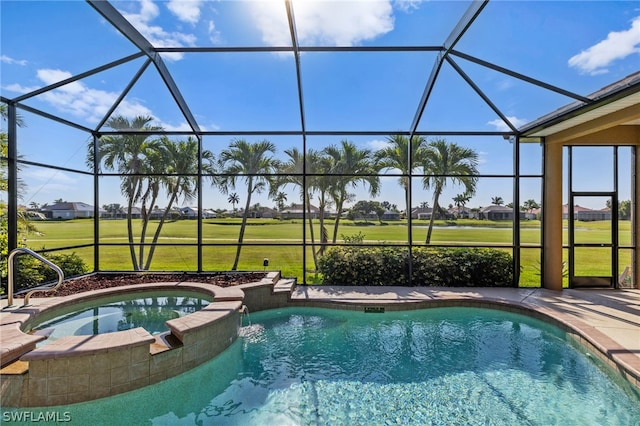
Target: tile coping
[18, 344]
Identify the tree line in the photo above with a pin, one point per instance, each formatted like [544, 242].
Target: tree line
[152, 166]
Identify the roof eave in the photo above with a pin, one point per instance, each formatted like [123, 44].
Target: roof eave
[577, 109]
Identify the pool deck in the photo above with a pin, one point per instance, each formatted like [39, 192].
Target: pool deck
[608, 320]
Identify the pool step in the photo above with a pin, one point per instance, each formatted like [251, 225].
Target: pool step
[226, 294]
[15, 343]
[164, 342]
[284, 285]
[15, 368]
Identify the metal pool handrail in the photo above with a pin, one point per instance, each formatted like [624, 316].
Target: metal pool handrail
[52, 265]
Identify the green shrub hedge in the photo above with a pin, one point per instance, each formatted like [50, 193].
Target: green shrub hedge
[32, 272]
[431, 266]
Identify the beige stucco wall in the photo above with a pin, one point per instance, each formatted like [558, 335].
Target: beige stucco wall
[604, 131]
[552, 217]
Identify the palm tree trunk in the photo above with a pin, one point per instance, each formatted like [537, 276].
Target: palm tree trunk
[323, 240]
[311, 233]
[156, 235]
[339, 207]
[145, 222]
[244, 224]
[436, 195]
[406, 202]
[132, 249]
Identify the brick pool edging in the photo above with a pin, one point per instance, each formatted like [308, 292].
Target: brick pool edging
[81, 368]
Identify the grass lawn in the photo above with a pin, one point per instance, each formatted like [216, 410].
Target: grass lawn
[279, 241]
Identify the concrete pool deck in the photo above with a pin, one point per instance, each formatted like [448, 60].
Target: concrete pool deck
[604, 320]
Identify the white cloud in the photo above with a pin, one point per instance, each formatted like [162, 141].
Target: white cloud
[156, 34]
[17, 88]
[501, 126]
[186, 10]
[90, 104]
[214, 35]
[407, 5]
[505, 84]
[46, 175]
[378, 144]
[210, 127]
[79, 100]
[617, 45]
[7, 60]
[337, 23]
[182, 127]
[45, 185]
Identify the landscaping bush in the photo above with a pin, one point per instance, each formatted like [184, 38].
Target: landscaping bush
[32, 272]
[364, 266]
[71, 264]
[431, 266]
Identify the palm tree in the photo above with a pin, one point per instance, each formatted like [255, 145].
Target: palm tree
[445, 161]
[396, 156]
[280, 198]
[324, 182]
[351, 166]
[252, 163]
[233, 199]
[497, 201]
[129, 155]
[181, 165]
[530, 204]
[291, 173]
[24, 226]
[4, 115]
[256, 210]
[460, 200]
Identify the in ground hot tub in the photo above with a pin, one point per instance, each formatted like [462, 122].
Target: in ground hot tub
[103, 348]
[149, 310]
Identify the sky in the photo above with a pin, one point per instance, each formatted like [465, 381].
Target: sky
[580, 46]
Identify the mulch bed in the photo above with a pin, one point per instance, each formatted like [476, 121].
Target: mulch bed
[100, 281]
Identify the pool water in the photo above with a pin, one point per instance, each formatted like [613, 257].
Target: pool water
[442, 366]
[117, 313]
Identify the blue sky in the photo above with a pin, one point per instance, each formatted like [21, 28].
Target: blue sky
[579, 46]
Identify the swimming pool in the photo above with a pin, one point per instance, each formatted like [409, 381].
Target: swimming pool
[432, 366]
[121, 312]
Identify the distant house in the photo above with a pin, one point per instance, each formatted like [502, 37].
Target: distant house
[390, 215]
[189, 212]
[532, 214]
[68, 210]
[494, 212]
[425, 213]
[586, 214]
[192, 213]
[297, 211]
[421, 213]
[460, 212]
[268, 213]
[34, 215]
[136, 213]
[372, 215]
